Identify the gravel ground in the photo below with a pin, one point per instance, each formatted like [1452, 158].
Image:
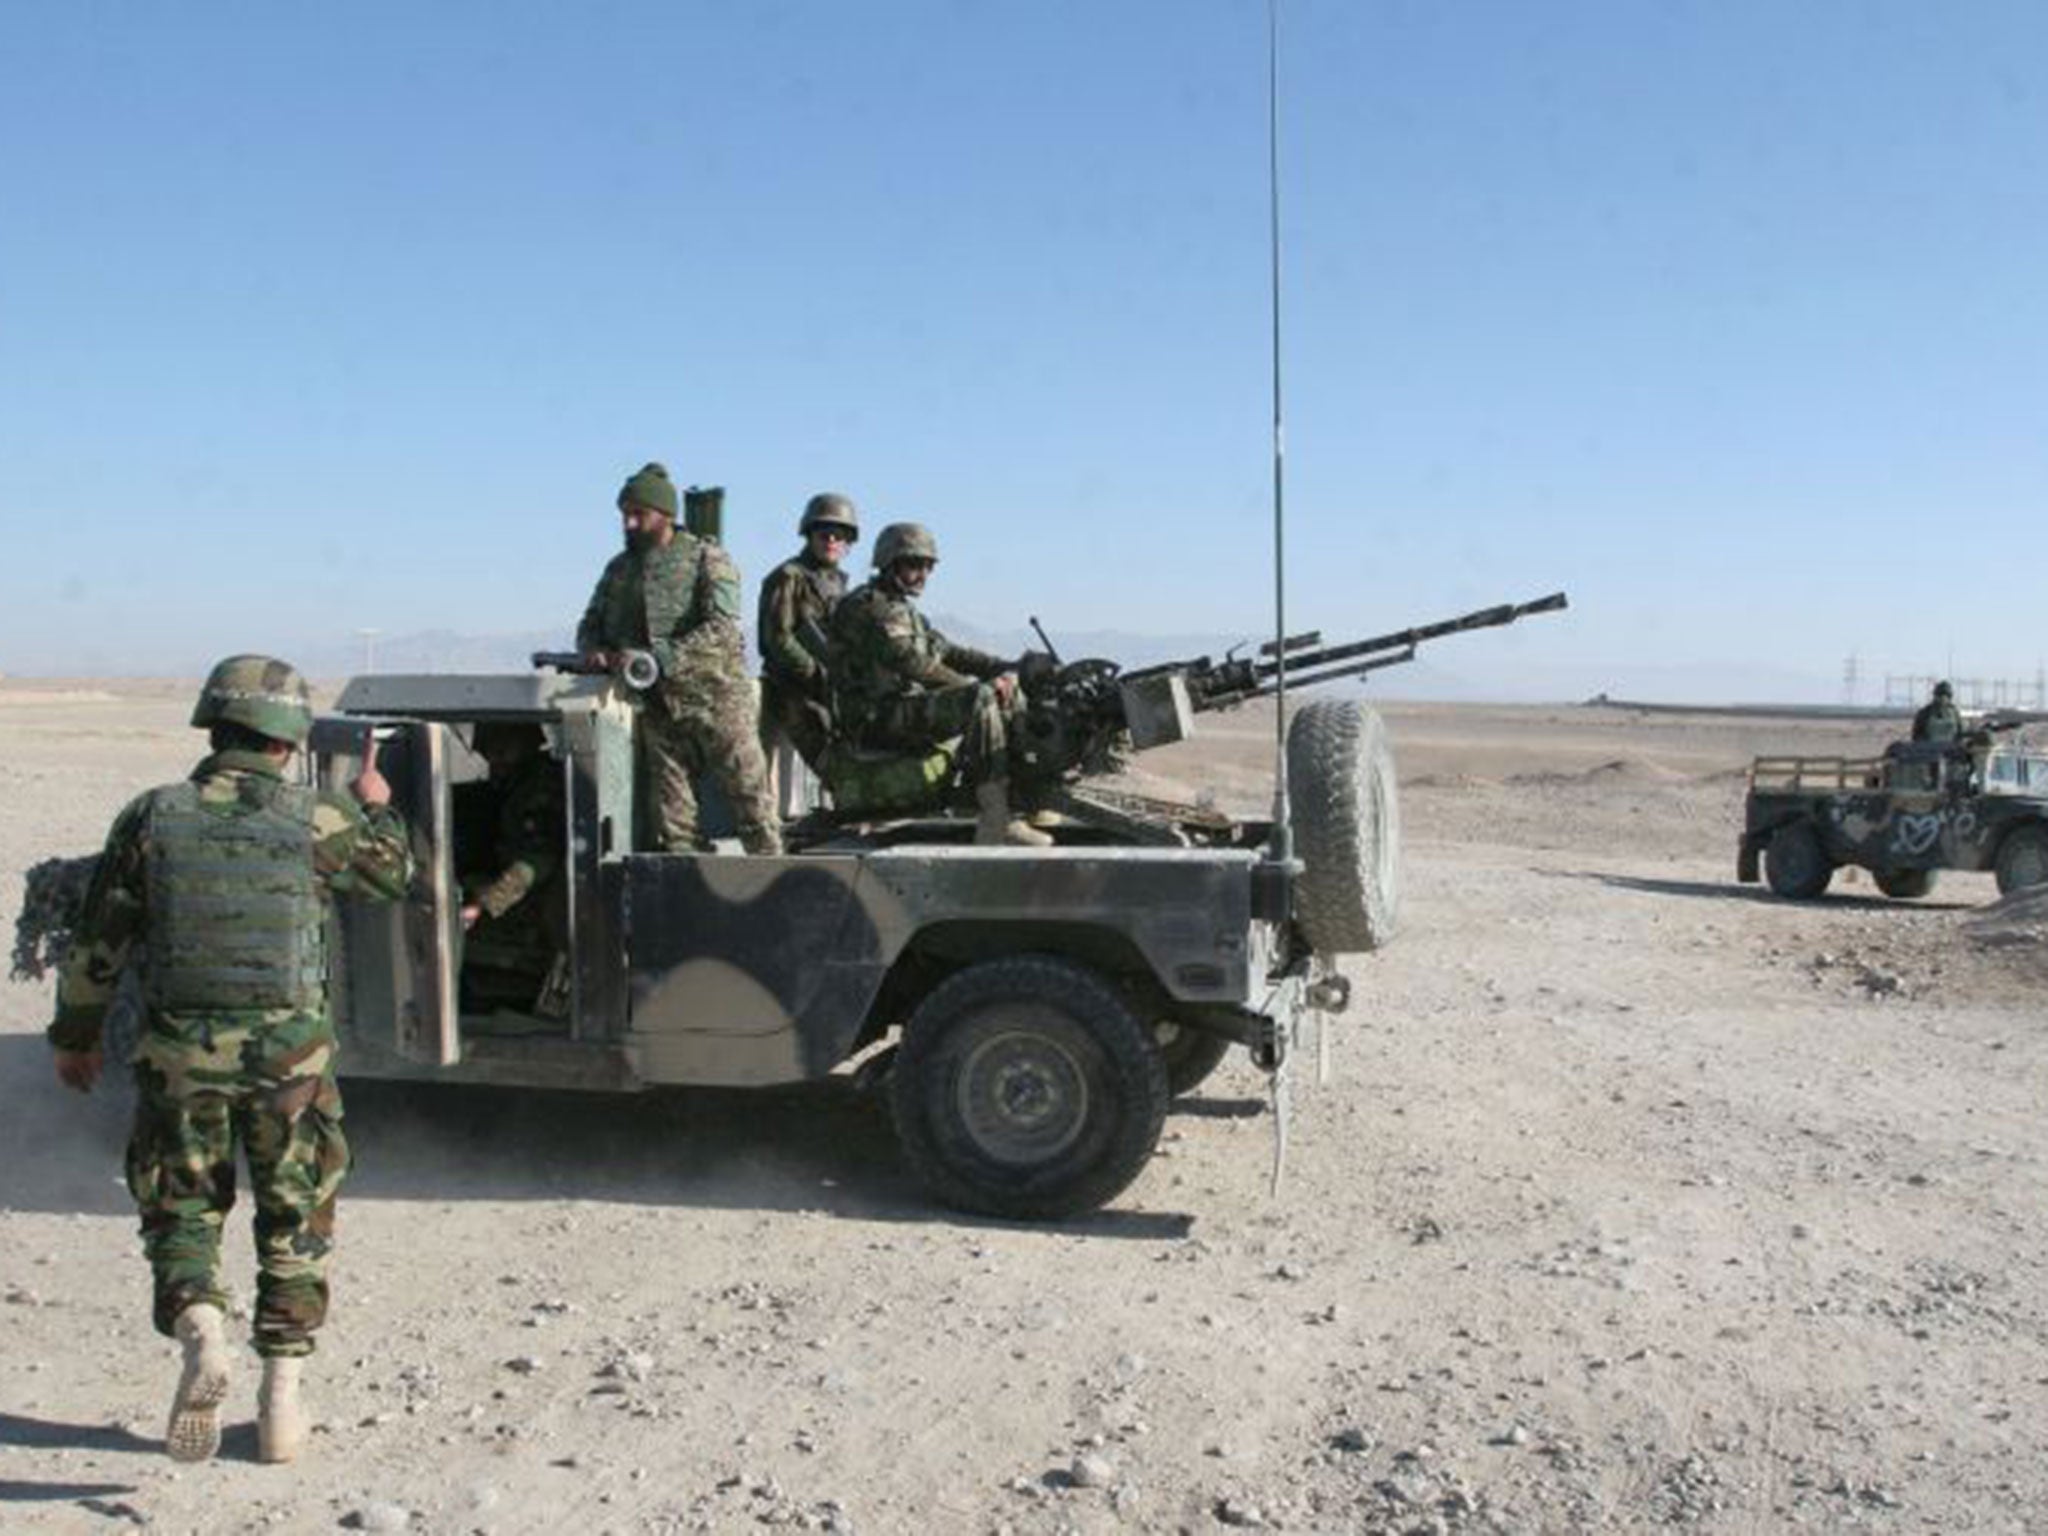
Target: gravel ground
[1635, 1199]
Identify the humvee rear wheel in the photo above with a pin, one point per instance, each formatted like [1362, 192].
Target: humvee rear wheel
[2023, 859]
[1795, 864]
[1025, 1088]
[1905, 884]
[1347, 826]
[1190, 1054]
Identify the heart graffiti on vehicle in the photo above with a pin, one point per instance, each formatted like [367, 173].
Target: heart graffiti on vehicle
[1916, 834]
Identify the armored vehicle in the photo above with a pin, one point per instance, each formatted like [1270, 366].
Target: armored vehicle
[1033, 1009]
[1981, 803]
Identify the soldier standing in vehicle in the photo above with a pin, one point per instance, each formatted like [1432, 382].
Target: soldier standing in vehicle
[797, 600]
[1939, 719]
[223, 881]
[677, 597]
[900, 685]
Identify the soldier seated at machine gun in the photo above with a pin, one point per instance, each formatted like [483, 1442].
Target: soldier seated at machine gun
[1064, 724]
[510, 832]
[914, 714]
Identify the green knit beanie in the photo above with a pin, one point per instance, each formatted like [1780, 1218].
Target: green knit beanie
[651, 487]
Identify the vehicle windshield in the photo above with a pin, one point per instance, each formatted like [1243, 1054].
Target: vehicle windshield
[2017, 773]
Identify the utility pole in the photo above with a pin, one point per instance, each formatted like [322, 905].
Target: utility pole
[369, 638]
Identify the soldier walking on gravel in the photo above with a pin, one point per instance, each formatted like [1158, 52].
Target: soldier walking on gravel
[900, 685]
[223, 881]
[677, 597]
[797, 600]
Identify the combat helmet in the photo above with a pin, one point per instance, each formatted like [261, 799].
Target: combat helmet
[829, 509]
[259, 693]
[1943, 690]
[905, 541]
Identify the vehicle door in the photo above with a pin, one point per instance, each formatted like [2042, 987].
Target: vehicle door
[394, 963]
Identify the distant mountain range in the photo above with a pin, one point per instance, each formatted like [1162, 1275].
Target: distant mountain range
[1476, 675]
[441, 650]
[1463, 669]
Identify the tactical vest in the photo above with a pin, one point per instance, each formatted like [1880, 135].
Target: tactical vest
[235, 916]
[863, 682]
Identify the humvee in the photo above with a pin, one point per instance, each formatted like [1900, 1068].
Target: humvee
[1032, 1009]
[1978, 804]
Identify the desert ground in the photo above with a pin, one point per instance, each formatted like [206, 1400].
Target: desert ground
[1635, 1198]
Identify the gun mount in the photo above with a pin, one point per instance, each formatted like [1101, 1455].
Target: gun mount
[1082, 717]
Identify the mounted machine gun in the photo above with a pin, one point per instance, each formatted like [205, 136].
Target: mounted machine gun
[1082, 718]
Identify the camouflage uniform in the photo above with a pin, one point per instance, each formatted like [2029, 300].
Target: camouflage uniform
[802, 590]
[681, 601]
[216, 879]
[1938, 720]
[900, 685]
[523, 923]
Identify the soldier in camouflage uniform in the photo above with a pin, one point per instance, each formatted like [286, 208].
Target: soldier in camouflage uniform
[677, 597]
[796, 601]
[900, 685]
[1939, 719]
[223, 882]
[514, 916]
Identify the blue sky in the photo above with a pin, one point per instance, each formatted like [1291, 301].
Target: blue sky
[1726, 317]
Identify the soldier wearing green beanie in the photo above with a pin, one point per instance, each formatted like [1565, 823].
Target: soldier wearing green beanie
[650, 487]
[677, 597]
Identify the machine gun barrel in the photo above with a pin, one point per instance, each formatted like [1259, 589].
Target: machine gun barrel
[1321, 664]
[1080, 719]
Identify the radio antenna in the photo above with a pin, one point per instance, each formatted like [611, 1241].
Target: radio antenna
[1282, 846]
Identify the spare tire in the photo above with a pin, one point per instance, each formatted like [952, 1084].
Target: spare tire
[1347, 826]
[2023, 858]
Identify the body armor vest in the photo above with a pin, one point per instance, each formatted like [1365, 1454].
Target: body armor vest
[236, 920]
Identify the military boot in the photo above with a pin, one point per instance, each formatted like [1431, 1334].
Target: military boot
[994, 824]
[194, 1433]
[280, 1416]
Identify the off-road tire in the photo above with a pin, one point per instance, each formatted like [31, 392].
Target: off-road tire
[1795, 863]
[1905, 884]
[1025, 1088]
[2023, 859]
[1190, 1054]
[1347, 826]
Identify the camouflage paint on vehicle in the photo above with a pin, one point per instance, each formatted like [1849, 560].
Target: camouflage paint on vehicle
[711, 969]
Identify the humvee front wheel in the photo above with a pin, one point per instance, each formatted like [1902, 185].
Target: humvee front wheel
[1026, 1088]
[1795, 863]
[2022, 859]
[1905, 884]
[1347, 826]
[1190, 1054]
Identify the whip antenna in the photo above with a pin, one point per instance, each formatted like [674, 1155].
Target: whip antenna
[1282, 846]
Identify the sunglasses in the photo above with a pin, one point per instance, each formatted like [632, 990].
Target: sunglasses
[834, 532]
